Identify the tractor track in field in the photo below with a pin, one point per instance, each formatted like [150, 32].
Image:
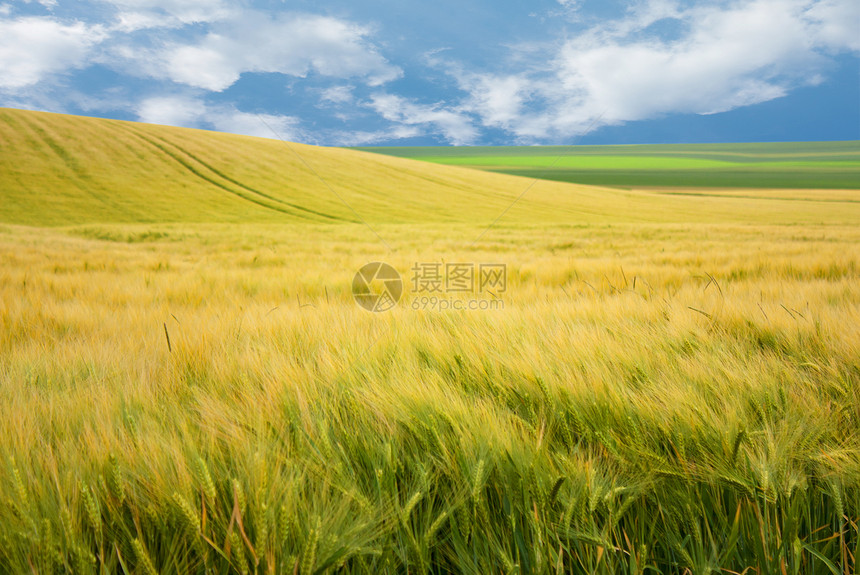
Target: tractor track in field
[82, 179]
[264, 201]
[250, 189]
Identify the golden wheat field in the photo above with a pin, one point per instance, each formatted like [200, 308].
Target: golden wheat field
[665, 383]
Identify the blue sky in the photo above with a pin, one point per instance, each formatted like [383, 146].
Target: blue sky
[399, 72]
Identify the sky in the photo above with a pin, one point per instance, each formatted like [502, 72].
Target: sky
[448, 72]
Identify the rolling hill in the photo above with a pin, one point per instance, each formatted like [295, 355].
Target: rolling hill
[61, 170]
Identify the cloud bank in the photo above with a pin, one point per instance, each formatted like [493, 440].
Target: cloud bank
[725, 56]
[292, 44]
[660, 57]
[33, 48]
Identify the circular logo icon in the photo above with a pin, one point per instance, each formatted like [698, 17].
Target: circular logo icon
[377, 287]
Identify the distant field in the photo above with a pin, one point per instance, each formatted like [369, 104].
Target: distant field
[668, 381]
[833, 165]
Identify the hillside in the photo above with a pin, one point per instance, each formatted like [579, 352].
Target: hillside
[60, 170]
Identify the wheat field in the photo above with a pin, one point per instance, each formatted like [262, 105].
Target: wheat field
[672, 384]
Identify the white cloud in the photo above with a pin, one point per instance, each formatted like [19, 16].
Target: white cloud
[34, 47]
[499, 98]
[46, 3]
[259, 125]
[292, 44]
[192, 112]
[134, 21]
[836, 24]
[172, 111]
[365, 138]
[641, 15]
[337, 94]
[730, 57]
[454, 126]
[189, 111]
[727, 55]
[203, 67]
[143, 14]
